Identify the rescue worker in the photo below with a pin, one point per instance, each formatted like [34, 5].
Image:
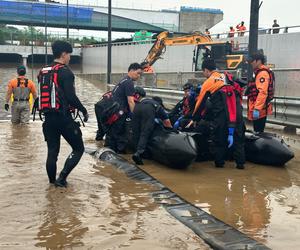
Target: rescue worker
[181, 113]
[231, 32]
[260, 92]
[147, 68]
[21, 88]
[213, 105]
[123, 94]
[57, 97]
[241, 28]
[147, 112]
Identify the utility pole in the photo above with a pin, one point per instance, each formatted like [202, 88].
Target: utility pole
[46, 36]
[253, 35]
[68, 20]
[109, 44]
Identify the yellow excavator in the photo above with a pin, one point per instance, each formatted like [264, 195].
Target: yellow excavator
[225, 57]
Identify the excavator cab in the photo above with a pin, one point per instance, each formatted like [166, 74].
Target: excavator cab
[222, 53]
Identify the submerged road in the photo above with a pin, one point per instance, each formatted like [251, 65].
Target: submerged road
[104, 209]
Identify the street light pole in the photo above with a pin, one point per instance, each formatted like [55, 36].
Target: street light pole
[68, 20]
[253, 34]
[46, 36]
[109, 44]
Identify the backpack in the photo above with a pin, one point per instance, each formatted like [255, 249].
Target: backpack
[107, 110]
[49, 90]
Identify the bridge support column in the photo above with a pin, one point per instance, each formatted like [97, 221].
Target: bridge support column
[25, 60]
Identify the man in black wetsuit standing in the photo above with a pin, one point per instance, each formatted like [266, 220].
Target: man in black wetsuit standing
[57, 99]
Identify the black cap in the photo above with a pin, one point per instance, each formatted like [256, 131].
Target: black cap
[21, 70]
[139, 90]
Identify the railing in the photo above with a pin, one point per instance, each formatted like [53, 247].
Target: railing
[286, 109]
[215, 36]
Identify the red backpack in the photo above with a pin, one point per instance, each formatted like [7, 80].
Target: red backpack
[49, 89]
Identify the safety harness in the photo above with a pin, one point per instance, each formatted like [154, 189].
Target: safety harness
[49, 93]
[19, 92]
[228, 91]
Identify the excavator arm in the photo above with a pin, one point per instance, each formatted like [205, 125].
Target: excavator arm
[168, 39]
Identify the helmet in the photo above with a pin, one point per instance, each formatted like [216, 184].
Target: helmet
[187, 86]
[158, 100]
[140, 91]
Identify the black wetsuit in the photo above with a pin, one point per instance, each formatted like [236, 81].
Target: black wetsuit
[143, 122]
[60, 123]
[215, 127]
[116, 137]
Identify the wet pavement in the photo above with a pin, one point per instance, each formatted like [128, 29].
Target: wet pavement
[103, 209]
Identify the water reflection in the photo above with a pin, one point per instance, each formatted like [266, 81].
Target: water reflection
[61, 225]
[254, 201]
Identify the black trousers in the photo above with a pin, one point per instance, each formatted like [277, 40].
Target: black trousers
[101, 129]
[55, 126]
[239, 143]
[219, 144]
[143, 125]
[116, 137]
[259, 124]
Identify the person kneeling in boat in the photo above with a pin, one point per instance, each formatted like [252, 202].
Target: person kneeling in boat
[181, 113]
[145, 114]
[220, 107]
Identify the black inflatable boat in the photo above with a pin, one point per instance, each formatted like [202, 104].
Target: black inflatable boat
[263, 148]
[267, 149]
[176, 150]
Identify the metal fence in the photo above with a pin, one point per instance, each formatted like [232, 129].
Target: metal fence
[169, 87]
[286, 109]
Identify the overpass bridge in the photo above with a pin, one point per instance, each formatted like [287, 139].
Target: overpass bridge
[55, 15]
[96, 18]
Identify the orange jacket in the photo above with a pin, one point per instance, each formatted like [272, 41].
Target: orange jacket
[210, 86]
[12, 88]
[262, 81]
[241, 27]
[231, 33]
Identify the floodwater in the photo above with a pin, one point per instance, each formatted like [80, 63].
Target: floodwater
[103, 209]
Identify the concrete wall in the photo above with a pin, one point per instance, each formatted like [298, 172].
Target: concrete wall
[176, 59]
[281, 50]
[198, 21]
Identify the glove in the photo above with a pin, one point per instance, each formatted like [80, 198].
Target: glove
[6, 106]
[177, 123]
[36, 103]
[255, 114]
[230, 137]
[85, 116]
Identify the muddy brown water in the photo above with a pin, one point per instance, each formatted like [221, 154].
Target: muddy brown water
[103, 209]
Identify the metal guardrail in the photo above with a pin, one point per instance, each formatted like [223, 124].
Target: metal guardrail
[217, 36]
[286, 110]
